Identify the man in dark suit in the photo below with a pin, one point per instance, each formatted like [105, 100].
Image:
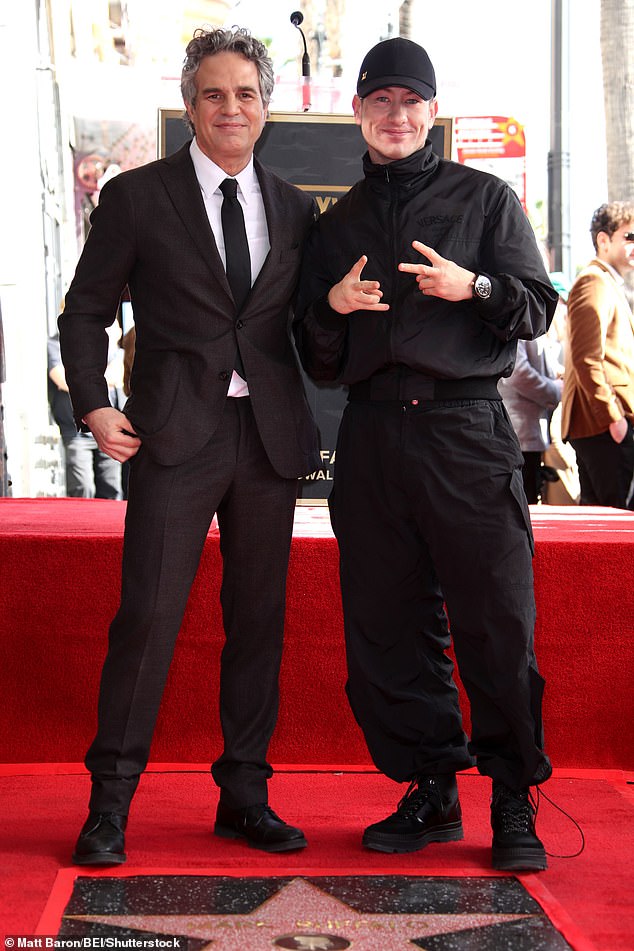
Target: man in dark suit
[217, 421]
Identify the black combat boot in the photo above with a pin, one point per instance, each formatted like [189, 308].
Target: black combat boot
[515, 845]
[428, 812]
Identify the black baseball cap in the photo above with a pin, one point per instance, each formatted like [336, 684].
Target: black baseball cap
[397, 62]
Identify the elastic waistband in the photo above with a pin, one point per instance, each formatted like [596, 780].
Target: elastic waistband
[414, 386]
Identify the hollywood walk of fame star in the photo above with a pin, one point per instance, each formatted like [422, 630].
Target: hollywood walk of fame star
[303, 917]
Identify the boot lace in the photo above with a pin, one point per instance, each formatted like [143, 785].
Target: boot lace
[516, 811]
[416, 796]
[582, 838]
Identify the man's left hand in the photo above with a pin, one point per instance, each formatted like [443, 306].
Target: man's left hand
[441, 278]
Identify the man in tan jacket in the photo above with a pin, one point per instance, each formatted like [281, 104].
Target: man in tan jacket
[598, 397]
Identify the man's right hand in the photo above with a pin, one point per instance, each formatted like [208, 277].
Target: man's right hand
[351, 293]
[618, 429]
[113, 432]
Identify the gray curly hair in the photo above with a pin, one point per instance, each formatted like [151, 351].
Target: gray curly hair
[237, 40]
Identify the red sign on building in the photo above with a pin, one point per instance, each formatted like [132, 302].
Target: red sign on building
[494, 144]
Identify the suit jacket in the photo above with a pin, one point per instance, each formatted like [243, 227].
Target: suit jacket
[599, 377]
[151, 232]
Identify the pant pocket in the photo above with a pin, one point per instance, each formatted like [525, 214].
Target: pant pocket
[517, 491]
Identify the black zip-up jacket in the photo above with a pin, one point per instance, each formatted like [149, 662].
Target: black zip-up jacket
[467, 216]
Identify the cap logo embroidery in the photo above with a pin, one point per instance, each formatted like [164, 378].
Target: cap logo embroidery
[364, 76]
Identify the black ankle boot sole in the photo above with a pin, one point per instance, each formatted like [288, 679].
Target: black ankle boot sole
[288, 845]
[100, 858]
[519, 860]
[384, 842]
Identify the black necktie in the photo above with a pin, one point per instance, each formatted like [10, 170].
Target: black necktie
[238, 260]
[238, 264]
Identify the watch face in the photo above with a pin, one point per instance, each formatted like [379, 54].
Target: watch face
[482, 286]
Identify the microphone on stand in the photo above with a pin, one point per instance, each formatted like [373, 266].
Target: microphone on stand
[296, 19]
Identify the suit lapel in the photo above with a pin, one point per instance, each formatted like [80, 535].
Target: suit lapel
[627, 310]
[274, 210]
[179, 178]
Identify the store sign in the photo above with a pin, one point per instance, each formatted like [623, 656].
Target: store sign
[495, 144]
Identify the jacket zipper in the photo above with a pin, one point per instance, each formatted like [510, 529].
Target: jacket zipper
[393, 186]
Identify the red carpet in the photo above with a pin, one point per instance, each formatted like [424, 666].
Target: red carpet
[59, 564]
[588, 898]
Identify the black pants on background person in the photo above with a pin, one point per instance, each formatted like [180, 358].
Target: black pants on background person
[606, 469]
[532, 476]
[428, 508]
[169, 512]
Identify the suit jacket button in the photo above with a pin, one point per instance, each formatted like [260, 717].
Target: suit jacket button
[224, 375]
[239, 324]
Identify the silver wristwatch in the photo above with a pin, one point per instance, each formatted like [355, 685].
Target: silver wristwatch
[482, 287]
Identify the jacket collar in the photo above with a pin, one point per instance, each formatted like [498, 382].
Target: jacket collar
[179, 178]
[609, 270]
[406, 172]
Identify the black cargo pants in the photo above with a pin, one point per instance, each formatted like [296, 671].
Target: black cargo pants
[433, 527]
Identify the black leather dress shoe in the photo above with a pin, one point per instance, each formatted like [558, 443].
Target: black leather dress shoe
[102, 840]
[260, 826]
[428, 812]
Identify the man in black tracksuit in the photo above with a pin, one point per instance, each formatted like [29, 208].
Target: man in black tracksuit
[417, 285]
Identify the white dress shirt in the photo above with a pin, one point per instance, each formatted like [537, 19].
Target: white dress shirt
[209, 177]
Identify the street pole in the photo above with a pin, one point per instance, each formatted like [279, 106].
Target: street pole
[559, 154]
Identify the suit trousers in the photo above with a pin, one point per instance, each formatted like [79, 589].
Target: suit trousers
[169, 511]
[606, 469]
[433, 526]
